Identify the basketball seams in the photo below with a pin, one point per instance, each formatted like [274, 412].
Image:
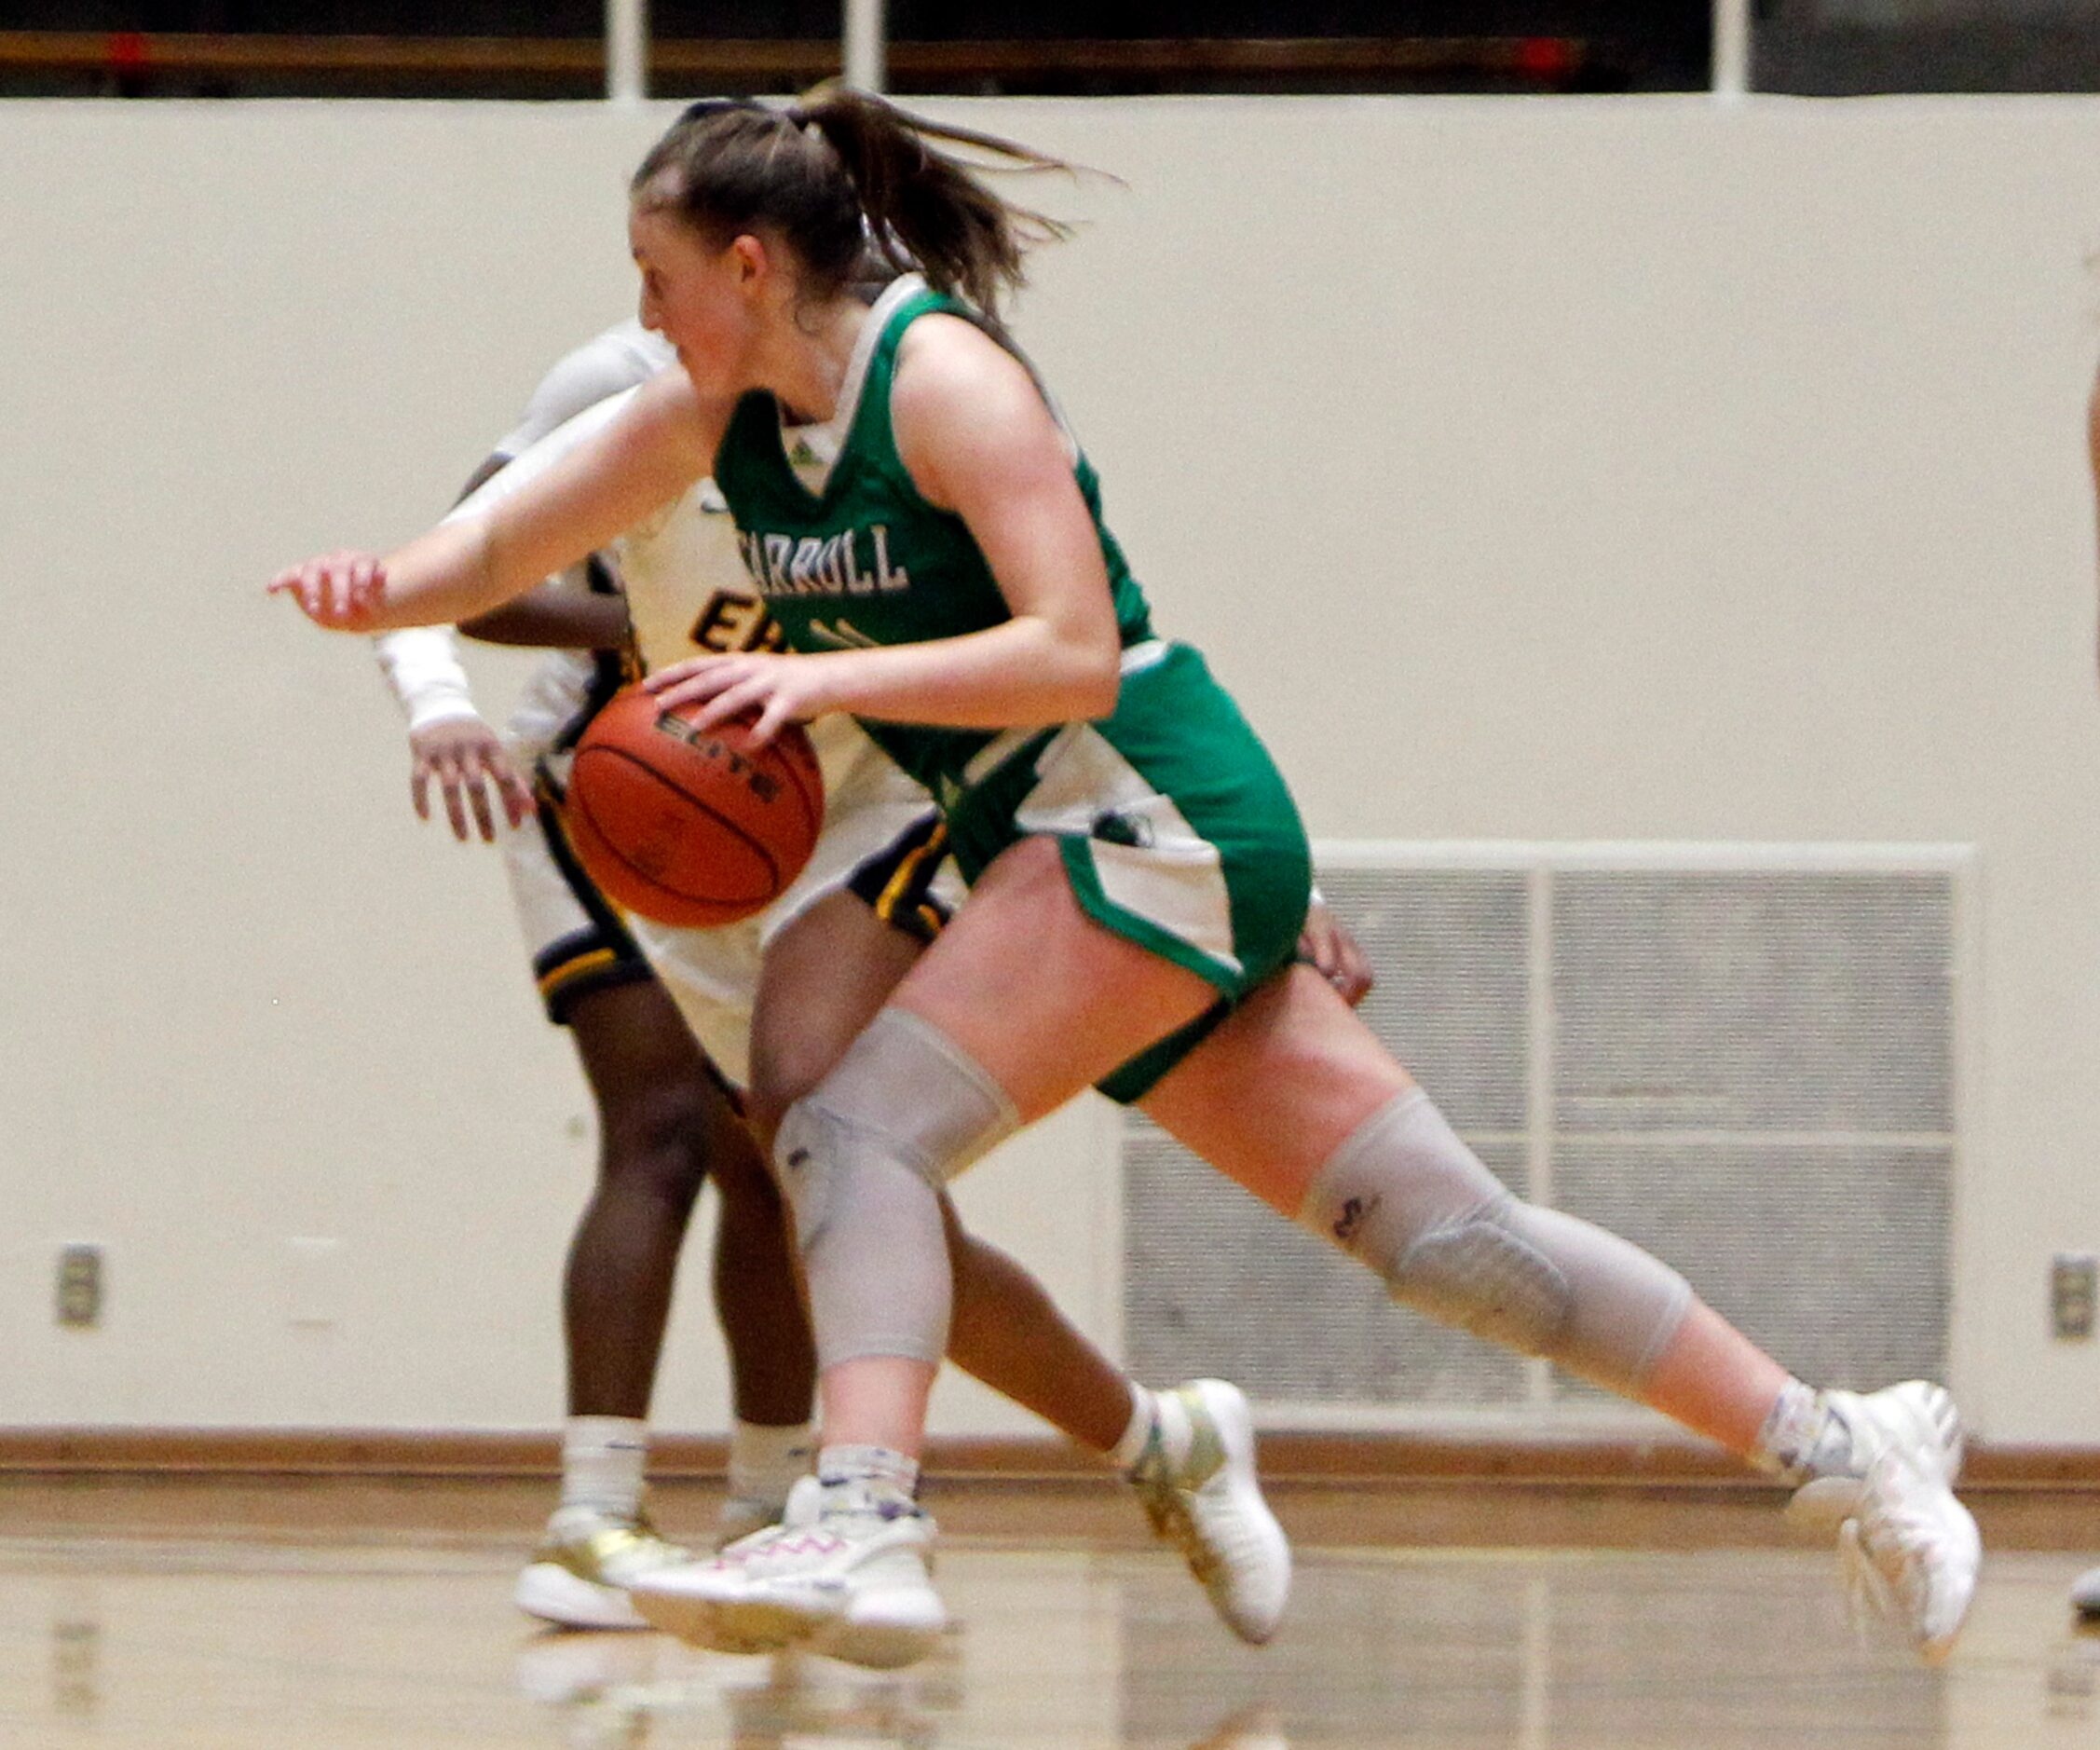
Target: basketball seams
[584, 830]
[800, 764]
[710, 801]
[735, 826]
[795, 760]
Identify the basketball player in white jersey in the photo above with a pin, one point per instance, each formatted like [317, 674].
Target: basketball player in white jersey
[686, 591]
[665, 1120]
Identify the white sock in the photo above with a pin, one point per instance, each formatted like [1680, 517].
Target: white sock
[602, 1461]
[1801, 1438]
[766, 1462]
[879, 1465]
[1138, 1432]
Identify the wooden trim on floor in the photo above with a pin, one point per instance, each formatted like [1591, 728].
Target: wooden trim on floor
[1591, 1461]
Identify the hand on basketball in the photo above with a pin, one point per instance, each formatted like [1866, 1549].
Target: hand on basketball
[779, 688]
[468, 760]
[1332, 952]
[340, 591]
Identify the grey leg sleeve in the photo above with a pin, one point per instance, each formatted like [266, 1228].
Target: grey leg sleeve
[862, 1160]
[1404, 1195]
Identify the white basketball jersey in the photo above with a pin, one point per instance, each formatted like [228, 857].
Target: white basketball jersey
[625, 355]
[688, 592]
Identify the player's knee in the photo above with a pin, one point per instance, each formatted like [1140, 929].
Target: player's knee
[861, 1160]
[904, 1092]
[1405, 1195]
[660, 1140]
[810, 1154]
[868, 1224]
[1480, 1272]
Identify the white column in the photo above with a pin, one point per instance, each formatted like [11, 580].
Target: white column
[1731, 48]
[867, 44]
[627, 51]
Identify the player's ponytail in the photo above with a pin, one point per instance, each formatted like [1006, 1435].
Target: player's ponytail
[960, 233]
[841, 172]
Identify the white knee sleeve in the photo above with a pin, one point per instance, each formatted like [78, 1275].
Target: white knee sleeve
[1404, 1195]
[861, 1161]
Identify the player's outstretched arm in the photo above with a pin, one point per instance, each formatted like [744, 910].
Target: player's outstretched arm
[663, 441]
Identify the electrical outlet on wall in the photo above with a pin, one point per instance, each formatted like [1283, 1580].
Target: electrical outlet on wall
[2074, 1287]
[80, 1288]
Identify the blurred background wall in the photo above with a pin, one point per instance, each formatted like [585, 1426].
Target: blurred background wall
[1631, 471]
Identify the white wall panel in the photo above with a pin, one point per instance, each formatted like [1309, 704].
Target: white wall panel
[1546, 471]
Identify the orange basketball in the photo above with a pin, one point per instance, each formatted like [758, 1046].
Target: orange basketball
[690, 827]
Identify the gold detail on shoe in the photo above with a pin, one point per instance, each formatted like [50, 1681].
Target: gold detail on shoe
[590, 1557]
[1163, 1486]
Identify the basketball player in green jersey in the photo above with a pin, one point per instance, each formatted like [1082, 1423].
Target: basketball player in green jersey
[1139, 872]
[656, 1055]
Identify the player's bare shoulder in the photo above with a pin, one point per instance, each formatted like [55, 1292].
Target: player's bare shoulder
[943, 356]
[962, 401]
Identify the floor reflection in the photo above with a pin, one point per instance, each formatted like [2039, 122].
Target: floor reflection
[608, 1691]
[234, 1647]
[1543, 1652]
[618, 1691]
[76, 1668]
[1432, 1651]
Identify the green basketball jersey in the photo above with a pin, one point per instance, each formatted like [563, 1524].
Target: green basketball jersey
[859, 559]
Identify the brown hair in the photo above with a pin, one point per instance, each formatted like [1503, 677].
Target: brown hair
[841, 172]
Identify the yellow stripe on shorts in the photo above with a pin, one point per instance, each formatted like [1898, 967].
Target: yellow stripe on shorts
[908, 872]
[598, 959]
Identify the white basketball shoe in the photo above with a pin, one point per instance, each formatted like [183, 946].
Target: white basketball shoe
[1202, 1495]
[1916, 1415]
[845, 1573]
[578, 1578]
[741, 1516]
[1912, 1553]
[1908, 1550]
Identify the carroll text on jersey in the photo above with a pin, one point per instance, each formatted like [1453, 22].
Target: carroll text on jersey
[856, 562]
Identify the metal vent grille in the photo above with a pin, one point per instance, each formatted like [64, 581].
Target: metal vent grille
[1759, 1001]
[1834, 1260]
[1749, 1070]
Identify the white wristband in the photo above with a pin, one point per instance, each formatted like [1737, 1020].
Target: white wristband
[434, 709]
[421, 665]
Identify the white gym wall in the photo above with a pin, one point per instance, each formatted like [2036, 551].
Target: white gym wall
[1635, 469]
